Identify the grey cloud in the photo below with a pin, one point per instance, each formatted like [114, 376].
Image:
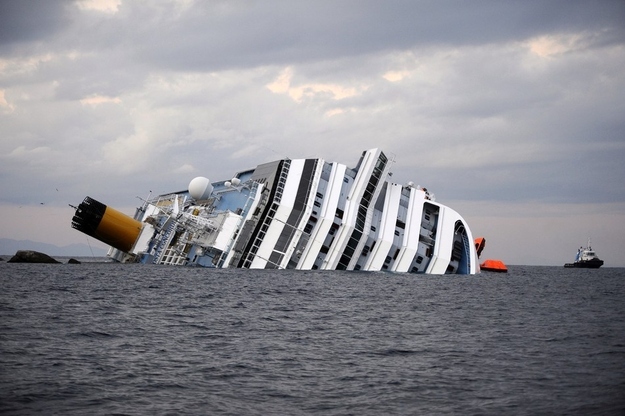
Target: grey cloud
[31, 20]
[219, 35]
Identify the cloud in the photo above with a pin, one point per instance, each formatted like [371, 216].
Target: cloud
[546, 46]
[503, 102]
[283, 85]
[105, 6]
[96, 100]
[24, 22]
[186, 168]
[4, 104]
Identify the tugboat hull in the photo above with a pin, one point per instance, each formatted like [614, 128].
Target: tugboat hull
[590, 264]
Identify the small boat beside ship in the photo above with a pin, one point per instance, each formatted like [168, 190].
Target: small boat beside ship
[307, 214]
[586, 258]
[489, 265]
[494, 265]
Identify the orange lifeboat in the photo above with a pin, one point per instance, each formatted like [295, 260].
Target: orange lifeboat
[494, 266]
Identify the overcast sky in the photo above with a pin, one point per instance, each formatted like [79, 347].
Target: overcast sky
[511, 112]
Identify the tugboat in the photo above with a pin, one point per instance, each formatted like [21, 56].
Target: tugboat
[586, 259]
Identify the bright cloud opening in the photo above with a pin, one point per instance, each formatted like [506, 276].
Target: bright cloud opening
[105, 6]
[99, 99]
[4, 104]
[547, 46]
[283, 85]
[396, 76]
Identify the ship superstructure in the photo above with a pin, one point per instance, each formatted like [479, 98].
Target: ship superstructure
[300, 214]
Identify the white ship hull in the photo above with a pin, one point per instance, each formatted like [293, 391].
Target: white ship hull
[302, 214]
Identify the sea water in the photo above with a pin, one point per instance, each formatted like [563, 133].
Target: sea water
[102, 338]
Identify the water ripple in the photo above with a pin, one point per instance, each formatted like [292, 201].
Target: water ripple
[131, 339]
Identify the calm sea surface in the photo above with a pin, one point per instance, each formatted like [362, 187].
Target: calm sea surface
[100, 338]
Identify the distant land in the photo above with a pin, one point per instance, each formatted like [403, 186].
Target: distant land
[8, 247]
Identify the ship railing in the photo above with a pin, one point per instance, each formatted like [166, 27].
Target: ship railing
[200, 221]
[164, 242]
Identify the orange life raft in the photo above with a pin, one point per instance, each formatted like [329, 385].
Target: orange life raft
[494, 266]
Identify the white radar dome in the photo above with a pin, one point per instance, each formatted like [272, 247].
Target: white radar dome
[200, 188]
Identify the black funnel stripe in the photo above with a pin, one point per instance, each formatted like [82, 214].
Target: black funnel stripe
[88, 216]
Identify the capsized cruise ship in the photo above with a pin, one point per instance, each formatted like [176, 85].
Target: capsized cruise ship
[307, 214]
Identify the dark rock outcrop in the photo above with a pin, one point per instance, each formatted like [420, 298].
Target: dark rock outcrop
[73, 261]
[30, 256]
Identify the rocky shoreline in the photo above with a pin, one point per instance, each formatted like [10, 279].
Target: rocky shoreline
[31, 256]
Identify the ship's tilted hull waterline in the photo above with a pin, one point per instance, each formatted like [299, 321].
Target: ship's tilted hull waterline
[300, 214]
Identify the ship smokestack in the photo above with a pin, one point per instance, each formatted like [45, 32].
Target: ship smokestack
[106, 224]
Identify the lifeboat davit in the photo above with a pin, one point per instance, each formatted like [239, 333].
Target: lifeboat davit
[494, 266]
[480, 243]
